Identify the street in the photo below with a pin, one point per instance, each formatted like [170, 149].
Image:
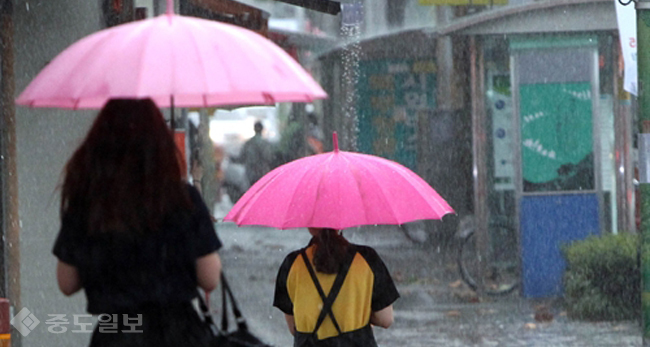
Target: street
[434, 309]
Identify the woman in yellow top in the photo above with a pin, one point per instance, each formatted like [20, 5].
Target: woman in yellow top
[360, 285]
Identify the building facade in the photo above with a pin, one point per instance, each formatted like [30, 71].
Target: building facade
[513, 113]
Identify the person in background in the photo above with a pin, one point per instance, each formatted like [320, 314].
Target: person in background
[256, 155]
[314, 135]
[365, 296]
[134, 235]
[292, 142]
[196, 173]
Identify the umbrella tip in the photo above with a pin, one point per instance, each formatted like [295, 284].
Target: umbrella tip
[170, 7]
[335, 141]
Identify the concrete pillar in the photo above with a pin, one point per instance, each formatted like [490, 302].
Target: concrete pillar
[45, 139]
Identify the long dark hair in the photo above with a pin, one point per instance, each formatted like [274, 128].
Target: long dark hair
[127, 174]
[331, 248]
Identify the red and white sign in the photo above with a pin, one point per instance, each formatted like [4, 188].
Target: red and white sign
[626, 17]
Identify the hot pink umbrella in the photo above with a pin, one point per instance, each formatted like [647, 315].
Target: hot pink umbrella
[338, 190]
[175, 60]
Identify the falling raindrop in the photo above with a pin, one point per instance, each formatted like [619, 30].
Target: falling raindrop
[350, 31]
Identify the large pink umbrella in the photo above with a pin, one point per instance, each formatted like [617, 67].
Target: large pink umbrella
[338, 190]
[175, 60]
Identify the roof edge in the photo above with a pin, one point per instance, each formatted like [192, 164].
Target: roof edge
[463, 23]
[507, 11]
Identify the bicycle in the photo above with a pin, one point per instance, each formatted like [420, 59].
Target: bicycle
[502, 276]
[415, 234]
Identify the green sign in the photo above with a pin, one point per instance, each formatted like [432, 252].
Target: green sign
[392, 93]
[556, 135]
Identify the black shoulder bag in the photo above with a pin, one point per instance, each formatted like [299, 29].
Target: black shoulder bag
[306, 340]
[240, 337]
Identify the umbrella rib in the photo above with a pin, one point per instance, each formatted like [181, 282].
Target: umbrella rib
[253, 41]
[202, 63]
[98, 44]
[257, 193]
[421, 183]
[423, 186]
[174, 67]
[356, 181]
[363, 164]
[325, 164]
[305, 173]
[224, 66]
[240, 39]
[142, 60]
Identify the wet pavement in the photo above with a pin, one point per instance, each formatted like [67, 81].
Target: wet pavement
[435, 309]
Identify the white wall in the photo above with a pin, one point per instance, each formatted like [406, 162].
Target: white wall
[45, 140]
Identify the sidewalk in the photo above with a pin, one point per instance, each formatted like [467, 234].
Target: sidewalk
[434, 309]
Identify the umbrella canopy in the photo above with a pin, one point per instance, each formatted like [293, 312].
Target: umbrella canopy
[338, 190]
[176, 61]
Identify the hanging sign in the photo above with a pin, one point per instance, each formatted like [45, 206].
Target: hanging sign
[626, 17]
[462, 2]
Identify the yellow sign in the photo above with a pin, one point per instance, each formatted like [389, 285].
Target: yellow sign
[462, 2]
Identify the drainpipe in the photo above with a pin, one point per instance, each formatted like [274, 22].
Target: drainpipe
[479, 163]
[9, 219]
[643, 60]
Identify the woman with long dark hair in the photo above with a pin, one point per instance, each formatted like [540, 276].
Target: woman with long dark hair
[134, 235]
[331, 272]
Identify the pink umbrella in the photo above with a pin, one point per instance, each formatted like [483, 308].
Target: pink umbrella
[175, 60]
[338, 190]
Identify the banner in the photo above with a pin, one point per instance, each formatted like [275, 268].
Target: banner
[626, 17]
[556, 136]
[392, 95]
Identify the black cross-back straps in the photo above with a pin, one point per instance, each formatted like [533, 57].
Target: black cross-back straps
[328, 300]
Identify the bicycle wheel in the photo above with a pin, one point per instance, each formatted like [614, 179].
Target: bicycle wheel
[416, 233]
[502, 270]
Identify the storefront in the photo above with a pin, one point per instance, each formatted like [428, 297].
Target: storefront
[545, 127]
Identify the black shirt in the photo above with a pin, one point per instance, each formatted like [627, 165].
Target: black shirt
[368, 287]
[122, 272]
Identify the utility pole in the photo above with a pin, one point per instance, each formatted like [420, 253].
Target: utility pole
[643, 61]
[9, 221]
[4, 78]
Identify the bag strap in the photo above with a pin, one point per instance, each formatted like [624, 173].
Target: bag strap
[239, 317]
[328, 300]
[207, 316]
[226, 293]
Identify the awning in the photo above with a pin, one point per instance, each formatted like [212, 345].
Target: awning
[326, 6]
[228, 11]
